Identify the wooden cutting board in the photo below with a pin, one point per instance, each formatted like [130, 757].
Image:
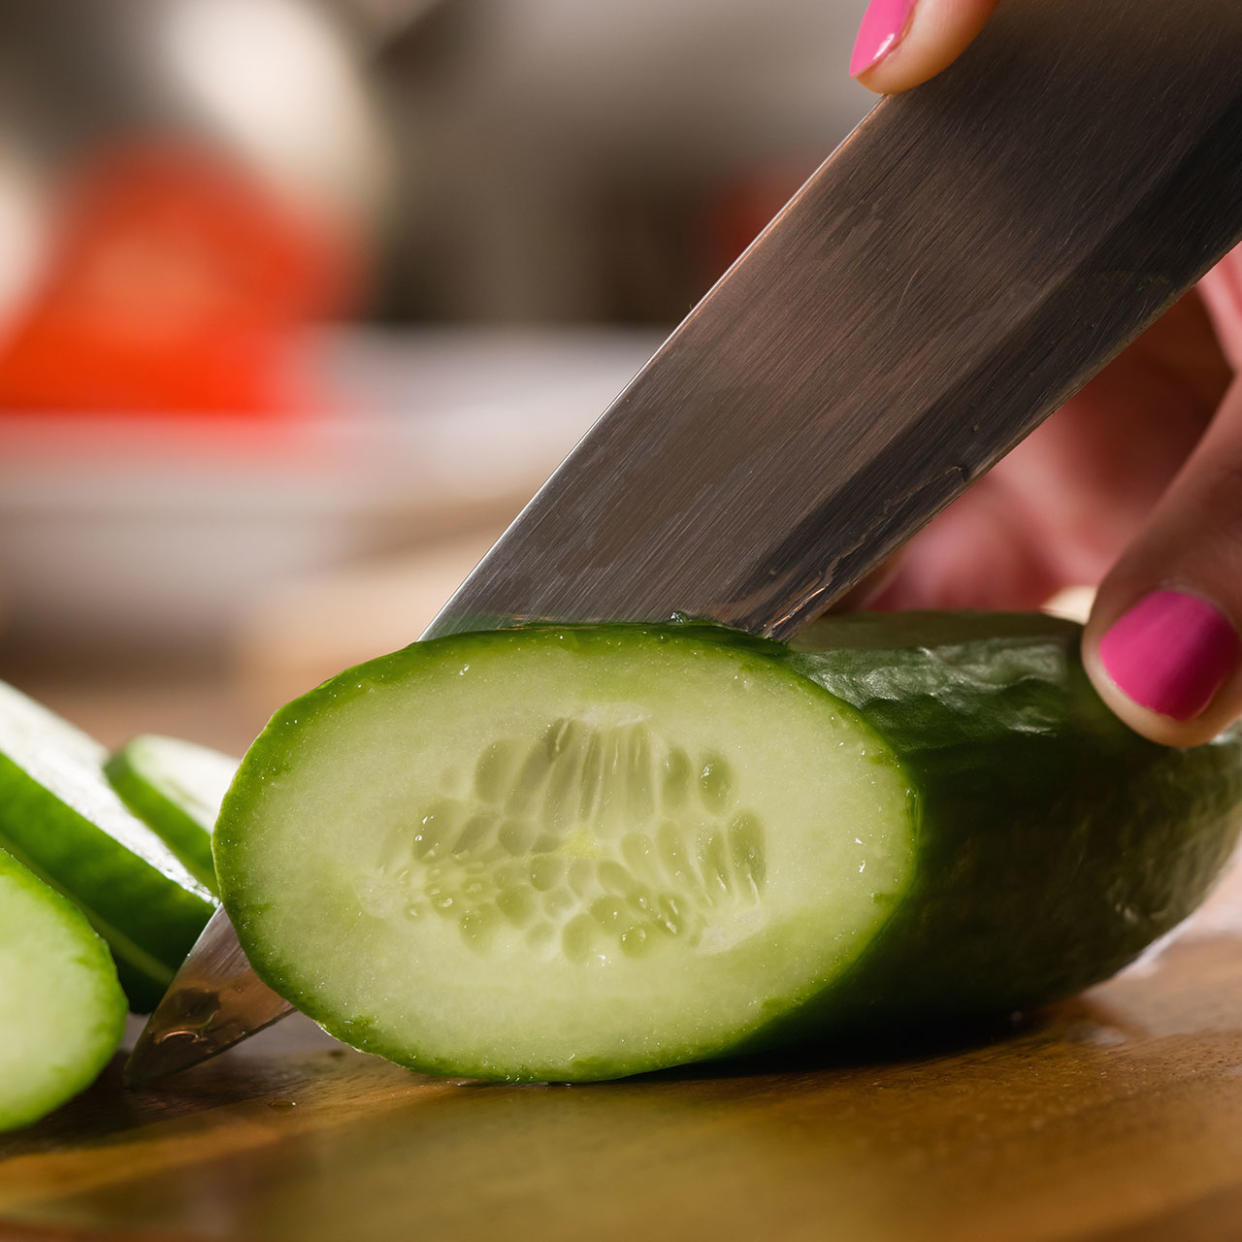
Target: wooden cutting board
[1115, 1116]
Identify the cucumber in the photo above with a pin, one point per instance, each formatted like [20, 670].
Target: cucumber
[1055, 844]
[60, 817]
[577, 853]
[175, 788]
[62, 1011]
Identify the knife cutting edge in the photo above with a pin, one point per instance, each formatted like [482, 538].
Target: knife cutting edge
[968, 258]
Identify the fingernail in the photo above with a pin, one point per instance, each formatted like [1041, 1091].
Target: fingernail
[1170, 653]
[883, 26]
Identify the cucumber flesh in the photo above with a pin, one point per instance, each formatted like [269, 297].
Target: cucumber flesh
[61, 818]
[562, 854]
[583, 852]
[175, 788]
[62, 1011]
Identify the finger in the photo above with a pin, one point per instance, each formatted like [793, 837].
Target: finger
[904, 42]
[1162, 645]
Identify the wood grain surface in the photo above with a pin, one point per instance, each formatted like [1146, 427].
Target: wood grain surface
[1114, 1116]
[1117, 1116]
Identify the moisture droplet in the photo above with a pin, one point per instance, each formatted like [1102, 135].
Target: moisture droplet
[672, 855]
[713, 865]
[436, 826]
[635, 942]
[746, 848]
[563, 735]
[670, 913]
[715, 784]
[636, 849]
[608, 912]
[477, 830]
[395, 849]
[478, 926]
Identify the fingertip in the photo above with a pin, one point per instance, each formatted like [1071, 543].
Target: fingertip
[1167, 665]
[902, 43]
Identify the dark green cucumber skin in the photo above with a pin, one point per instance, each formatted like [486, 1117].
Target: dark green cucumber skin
[77, 858]
[178, 829]
[1054, 843]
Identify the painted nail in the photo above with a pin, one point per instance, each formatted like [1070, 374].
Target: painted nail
[1170, 653]
[884, 24]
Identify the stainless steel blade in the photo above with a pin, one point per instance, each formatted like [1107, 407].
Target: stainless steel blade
[215, 1001]
[967, 259]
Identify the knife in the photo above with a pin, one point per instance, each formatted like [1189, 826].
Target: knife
[968, 258]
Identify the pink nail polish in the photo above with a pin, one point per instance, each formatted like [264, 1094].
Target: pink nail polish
[883, 26]
[1170, 653]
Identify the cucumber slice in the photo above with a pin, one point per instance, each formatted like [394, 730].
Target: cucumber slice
[175, 788]
[62, 1011]
[582, 852]
[61, 818]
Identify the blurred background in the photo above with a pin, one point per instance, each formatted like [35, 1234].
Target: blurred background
[300, 300]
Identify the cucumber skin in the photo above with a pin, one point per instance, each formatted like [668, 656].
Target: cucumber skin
[54, 841]
[179, 830]
[113, 1007]
[1054, 843]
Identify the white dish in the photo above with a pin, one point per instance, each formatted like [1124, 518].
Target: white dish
[143, 531]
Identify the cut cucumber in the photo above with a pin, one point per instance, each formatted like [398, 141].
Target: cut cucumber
[1054, 843]
[61, 818]
[583, 852]
[62, 1011]
[175, 788]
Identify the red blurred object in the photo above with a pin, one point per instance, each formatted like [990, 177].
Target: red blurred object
[172, 286]
[741, 210]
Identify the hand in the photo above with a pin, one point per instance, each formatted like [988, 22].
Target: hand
[1135, 484]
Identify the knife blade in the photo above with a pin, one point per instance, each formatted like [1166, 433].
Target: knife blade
[968, 258]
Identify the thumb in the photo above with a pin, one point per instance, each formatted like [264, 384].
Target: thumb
[1162, 644]
[904, 42]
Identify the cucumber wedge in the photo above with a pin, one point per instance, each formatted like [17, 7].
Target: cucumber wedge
[61, 818]
[577, 853]
[175, 788]
[62, 1011]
